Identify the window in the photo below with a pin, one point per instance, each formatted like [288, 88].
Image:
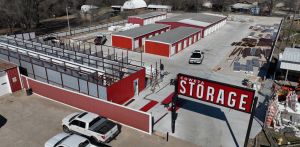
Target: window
[94, 121]
[84, 144]
[82, 124]
[75, 122]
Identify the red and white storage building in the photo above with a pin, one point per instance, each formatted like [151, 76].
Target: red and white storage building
[134, 38]
[148, 18]
[172, 42]
[206, 22]
[9, 78]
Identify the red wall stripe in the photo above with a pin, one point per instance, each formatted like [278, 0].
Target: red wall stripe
[117, 113]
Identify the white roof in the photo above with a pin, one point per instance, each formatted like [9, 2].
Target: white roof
[195, 22]
[291, 55]
[290, 59]
[159, 6]
[87, 117]
[134, 4]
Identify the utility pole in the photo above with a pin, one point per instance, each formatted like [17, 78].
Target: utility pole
[67, 10]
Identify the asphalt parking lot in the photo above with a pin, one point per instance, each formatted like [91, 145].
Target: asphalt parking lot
[29, 121]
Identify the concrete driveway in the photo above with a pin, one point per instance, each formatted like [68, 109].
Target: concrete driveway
[29, 121]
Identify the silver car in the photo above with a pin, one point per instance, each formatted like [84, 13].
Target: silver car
[196, 57]
[68, 140]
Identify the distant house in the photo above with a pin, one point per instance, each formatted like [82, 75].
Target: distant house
[130, 5]
[134, 4]
[289, 61]
[88, 8]
[242, 7]
[207, 4]
[165, 8]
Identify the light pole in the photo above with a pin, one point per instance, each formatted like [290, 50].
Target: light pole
[67, 8]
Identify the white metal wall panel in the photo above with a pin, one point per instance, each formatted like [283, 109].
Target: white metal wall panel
[4, 84]
[185, 43]
[179, 46]
[173, 48]
[136, 43]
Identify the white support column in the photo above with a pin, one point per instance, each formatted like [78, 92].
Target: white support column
[286, 74]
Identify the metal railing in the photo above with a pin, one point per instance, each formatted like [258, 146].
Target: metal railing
[80, 30]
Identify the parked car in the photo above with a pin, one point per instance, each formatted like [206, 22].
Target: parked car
[100, 39]
[68, 140]
[91, 125]
[196, 57]
[53, 40]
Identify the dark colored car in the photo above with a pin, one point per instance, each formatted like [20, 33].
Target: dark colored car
[100, 40]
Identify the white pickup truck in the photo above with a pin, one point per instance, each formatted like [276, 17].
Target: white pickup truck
[91, 125]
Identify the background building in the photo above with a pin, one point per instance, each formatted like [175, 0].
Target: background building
[206, 22]
[172, 42]
[148, 18]
[134, 38]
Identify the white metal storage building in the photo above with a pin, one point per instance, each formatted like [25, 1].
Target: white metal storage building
[172, 42]
[134, 38]
[207, 22]
[148, 18]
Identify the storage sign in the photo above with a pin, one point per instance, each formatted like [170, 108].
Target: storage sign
[222, 94]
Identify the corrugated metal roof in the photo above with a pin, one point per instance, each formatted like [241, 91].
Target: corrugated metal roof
[140, 31]
[291, 55]
[175, 35]
[290, 59]
[197, 18]
[194, 22]
[4, 65]
[290, 66]
[149, 15]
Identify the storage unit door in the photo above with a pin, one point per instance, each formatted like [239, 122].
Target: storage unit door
[143, 41]
[184, 43]
[190, 41]
[173, 48]
[179, 46]
[195, 38]
[4, 84]
[136, 43]
[199, 35]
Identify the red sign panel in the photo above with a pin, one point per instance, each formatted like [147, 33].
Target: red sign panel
[222, 94]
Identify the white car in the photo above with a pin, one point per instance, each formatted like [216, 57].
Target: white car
[91, 125]
[196, 57]
[68, 140]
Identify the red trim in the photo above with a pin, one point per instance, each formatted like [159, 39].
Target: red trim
[14, 79]
[136, 21]
[148, 106]
[168, 99]
[122, 42]
[123, 90]
[157, 48]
